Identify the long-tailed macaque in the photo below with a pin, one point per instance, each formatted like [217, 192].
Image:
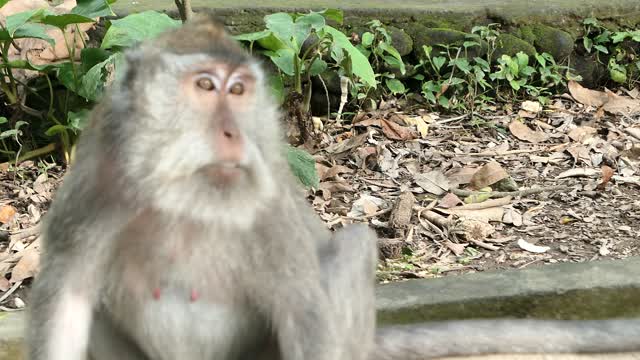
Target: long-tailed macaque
[179, 233]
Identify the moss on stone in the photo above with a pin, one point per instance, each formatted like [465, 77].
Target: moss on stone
[548, 39]
[400, 40]
[510, 45]
[437, 37]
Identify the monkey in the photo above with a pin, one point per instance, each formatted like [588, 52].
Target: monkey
[180, 233]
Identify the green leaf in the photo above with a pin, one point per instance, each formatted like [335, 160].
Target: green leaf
[303, 166]
[283, 59]
[438, 62]
[3, 120]
[359, 63]
[137, 27]
[303, 26]
[601, 48]
[393, 52]
[318, 67]
[89, 57]
[619, 36]
[395, 86]
[483, 63]
[55, 130]
[61, 21]
[367, 39]
[65, 76]
[15, 21]
[36, 31]
[3, 2]
[9, 133]
[463, 65]
[587, 43]
[336, 15]
[78, 120]
[93, 8]
[254, 36]
[281, 24]
[92, 82]
[523, 59]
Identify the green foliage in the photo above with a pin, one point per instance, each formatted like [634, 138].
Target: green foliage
[618, 48]
[453, 80]
[376, 45]
[134, 28]
[303, 166]
[300, 44]
[66, 90]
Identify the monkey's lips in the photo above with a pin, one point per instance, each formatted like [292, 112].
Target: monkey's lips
[223, 173]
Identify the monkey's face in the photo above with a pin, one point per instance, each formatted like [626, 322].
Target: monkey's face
[206, 138]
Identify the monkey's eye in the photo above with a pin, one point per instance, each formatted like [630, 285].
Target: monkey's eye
[237, 89]
[205, 83]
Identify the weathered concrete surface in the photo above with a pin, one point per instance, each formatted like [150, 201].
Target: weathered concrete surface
[595, 290]
[565, 291]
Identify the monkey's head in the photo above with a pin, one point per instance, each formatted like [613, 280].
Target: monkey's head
[199, 132]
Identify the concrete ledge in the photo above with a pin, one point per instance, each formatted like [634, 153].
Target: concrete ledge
[595, 290]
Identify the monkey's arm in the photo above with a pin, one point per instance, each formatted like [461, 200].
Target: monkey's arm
[66, 288]
[474, 337]
[60, 315]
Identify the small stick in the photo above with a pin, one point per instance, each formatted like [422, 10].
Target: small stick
[521, 193]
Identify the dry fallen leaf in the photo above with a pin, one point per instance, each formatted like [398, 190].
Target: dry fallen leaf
[609, 101]
[420, 124]
[607, 173]
[531, 106]
[484, 215]
[348, 144]
[365, 205]
[586, 96]
[523, 132]
[448, 201]
[487, 175]
[582, 133]
[434, 182]
[524, 245]
[457, 249]
[28, 265]
[578, 172]
[7, 213]
[394, 131]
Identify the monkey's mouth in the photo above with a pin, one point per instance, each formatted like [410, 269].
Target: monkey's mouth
[223, 173]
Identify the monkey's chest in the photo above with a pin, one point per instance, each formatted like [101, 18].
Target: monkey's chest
[187, 309]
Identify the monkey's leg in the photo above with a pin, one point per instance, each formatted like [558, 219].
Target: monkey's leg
[348, 263]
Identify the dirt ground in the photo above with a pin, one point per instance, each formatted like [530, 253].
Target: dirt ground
[560, 184]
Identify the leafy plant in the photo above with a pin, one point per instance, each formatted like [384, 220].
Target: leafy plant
[67, 89]
[284, 42]
[376, 45]
[618, 46]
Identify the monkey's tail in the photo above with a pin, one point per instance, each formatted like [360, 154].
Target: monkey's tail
[476, 337]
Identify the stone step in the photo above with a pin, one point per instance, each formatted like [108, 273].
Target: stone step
[595, 290]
